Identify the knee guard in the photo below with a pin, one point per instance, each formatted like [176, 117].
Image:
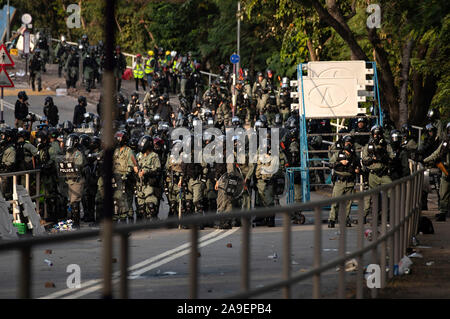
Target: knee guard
[198, 208]
[152, 211]
[173, 210]
[140, 214]
[76, 214]
[189, 207]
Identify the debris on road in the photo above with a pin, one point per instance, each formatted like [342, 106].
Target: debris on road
[415, 255]
[274, 256]
[403, 266]
[430, 263]
[48, 251]
[49, 284]
[170, 273]
[229, 245]
[48, 262]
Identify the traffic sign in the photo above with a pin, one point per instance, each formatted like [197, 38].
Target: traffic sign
[235, 58]
[5, 80]
[5, 58]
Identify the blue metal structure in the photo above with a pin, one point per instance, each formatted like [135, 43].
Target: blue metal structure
[304, 154]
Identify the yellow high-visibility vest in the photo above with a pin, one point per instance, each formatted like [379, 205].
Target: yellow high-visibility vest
[138, 72]
[148, 68]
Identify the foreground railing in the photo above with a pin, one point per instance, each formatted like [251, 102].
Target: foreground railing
[399, 213]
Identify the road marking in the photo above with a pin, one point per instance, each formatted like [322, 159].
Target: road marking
[150, 267]
[138, 265]
[180, 254]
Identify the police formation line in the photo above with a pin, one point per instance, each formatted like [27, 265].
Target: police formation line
[145, 173]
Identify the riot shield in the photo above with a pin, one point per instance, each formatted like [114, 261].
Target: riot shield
[233, 184]
[280, 184]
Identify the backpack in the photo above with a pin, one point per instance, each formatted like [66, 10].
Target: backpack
[425, 225]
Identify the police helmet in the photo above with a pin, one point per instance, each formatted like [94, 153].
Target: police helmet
[447, 128]
[145, 143]
[53, 132]
[291, 122]
[396, 136]
[42, 137]
[406, 130]
[82, 101]
[156, 118]
[25, 134]
[377, 133]
[430, 128]
[121, 137]
[349, 139]
[433, 114]
[362, 119]
[258, 124]
[22, 95]
[158, 143]
[278, 119]
[131, 123]
[68, 127]
[96, 143]
[263, 119]
[85, 140]
[72, 141]
[235, 121]
[49, 100]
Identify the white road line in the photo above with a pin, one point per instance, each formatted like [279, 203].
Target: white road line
[141, 264]
[150, 267]
[180, 254]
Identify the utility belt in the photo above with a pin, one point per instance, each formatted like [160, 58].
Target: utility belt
[343, 178]
[380, 172]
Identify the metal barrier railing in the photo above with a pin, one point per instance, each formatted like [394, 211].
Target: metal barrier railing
[401, 211]
[27, 174]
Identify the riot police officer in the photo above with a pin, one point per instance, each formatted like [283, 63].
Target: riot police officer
[37, 65]
[72, 67]
[442, 156]
[259, 92]
[148, 192]
[346, 165]
[51, 111]
[76, 181]
[62, 51]
[125, 164]
[89, 67]
[7, 160]
[377, 156]
[48, 180]
[80, 109]
[21, 109]
[284, 99]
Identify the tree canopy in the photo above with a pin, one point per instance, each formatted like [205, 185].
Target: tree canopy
[411, 48]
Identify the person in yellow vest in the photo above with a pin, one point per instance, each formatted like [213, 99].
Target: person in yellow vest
[150, 66]
[174, 72]
[138, 72]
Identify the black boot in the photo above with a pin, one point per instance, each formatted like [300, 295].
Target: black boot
[76, 215]
[348, 222]
[331, 223]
